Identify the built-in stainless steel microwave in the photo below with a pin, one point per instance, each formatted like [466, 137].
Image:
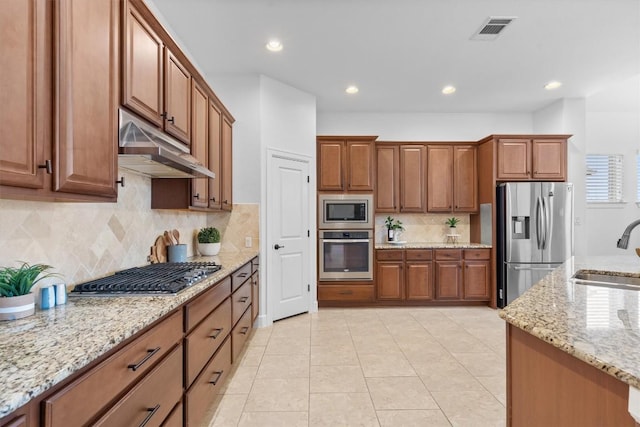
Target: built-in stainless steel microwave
[345, 211]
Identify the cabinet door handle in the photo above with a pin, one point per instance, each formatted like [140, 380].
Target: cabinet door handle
[121, 181]
[197, 196]
[217, 331]
[243, 275]
[244, 330]
[213, 199]
[47, 166]
[150, 353]
[346, 292]
[225, 202]
[152, 412]
[172, 120]
[243, 299]
[218, 375]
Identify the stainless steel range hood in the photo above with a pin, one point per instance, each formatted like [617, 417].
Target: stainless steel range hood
[146, 150]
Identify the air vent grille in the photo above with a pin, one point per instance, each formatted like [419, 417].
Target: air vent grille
[492, 28]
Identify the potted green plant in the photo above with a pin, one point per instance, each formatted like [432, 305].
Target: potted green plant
[394, 227]
[209, 241]
[452, 222]
[16, 299]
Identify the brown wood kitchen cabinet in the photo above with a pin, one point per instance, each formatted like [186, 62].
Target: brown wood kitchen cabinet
[79, 85]
[531, 159]
[404, 275]
[200, 144]
[452, 178]
[462, 274]
[387, 177]
[345, 163]
[413, 164]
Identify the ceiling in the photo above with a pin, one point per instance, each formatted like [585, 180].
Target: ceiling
[401, 53]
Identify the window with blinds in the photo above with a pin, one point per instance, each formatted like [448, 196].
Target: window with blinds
[604, 178]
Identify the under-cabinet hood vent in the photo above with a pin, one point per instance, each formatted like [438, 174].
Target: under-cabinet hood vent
[148, 151]
[492, 28]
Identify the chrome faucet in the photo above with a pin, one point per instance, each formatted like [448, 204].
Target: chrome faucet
[623, 241]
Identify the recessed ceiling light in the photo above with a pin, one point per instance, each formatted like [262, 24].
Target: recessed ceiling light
[274, 45]
[552, 85]
[352, 89]
[448, 90]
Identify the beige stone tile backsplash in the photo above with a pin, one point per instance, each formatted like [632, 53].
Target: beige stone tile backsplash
[424, 227]
[88, 240]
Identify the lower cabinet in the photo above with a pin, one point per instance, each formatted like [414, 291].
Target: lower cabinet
[463, 274]
[345, 293]
[404, 275]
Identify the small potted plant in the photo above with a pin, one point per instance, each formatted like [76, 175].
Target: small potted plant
[16, 299]
[394, 227]
[208, 241]
[452, 222]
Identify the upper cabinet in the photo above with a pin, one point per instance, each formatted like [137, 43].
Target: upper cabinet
[387, 180]
[199, 145]
[536, 158]
[227, 165]
[346, 163]
[452, 178]
[62, 144]
[177, 99]
[413, 162]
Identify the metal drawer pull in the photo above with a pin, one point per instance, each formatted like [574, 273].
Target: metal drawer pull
[150, 353]
[219, 374]
[243, 275]
[244, 330]
[346, 292]
[243, 299]
[217, 333]
[152, 412]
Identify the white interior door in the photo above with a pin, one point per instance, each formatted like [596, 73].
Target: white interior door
[288, 252]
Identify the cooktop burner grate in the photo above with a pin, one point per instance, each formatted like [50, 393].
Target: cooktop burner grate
[154, 279]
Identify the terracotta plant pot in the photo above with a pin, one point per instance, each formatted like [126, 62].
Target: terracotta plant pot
[13, 308]
[208, 249]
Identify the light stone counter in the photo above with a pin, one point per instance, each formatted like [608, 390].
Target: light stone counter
[42, 350]
[430, 245]
[598, 325]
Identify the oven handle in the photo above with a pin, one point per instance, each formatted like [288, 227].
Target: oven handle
[346, 240]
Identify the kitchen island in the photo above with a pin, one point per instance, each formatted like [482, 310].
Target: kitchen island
[573, 349]
[41, 351]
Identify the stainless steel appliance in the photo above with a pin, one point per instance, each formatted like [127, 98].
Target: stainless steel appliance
[155, 279]
[345, 211]
[345, 255]
[534, 234]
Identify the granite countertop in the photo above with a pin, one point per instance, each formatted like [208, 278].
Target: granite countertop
[430, 245]
[598, 325]
[44, 349]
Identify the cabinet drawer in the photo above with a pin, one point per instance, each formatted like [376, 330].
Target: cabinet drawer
[175, 417]
[477, 254]
[152, 399]
[389, 255]
[203, 304]
[205, 339]
[205, 389]
[445, 254]
[240, 276]
[240, 334]
[419, 254]
[345, 293]
[240, 300]
[255, 295]
[255, 264]
[104, 382]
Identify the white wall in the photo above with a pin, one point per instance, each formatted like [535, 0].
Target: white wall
[423, 126]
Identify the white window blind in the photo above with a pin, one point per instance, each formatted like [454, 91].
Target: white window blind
[604, 178]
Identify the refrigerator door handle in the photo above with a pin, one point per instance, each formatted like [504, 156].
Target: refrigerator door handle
[539, 222]
[545, 222]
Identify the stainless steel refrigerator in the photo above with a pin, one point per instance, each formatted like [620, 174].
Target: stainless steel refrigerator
[534, 234]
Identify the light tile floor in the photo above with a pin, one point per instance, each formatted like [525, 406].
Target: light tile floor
[433, 366]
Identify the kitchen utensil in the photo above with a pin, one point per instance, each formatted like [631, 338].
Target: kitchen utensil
[177, 253]
[176, 236]
[61, 293]
[168, 239]
[161, 249]
[638, 251]
[153, 258]
[47, 297]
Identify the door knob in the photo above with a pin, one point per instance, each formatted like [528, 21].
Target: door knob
[277, 246]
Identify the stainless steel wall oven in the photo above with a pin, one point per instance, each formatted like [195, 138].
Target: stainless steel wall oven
[345, 255]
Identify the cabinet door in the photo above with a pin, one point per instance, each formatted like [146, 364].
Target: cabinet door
[330, 161]
[514, 159]
[215, 160]
[142, 69]
[199, 144]
[549, 159]
[419, 281]
[439, 178]
[448, 278]
[387, 182]
[476, 280]
[359, 166]
[227, 165]
[87, 86]
[412, 178]
[177, 102]
[465, 179]
[389, 280]
[23, 61]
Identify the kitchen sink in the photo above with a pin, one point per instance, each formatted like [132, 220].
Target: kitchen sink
[612, 280]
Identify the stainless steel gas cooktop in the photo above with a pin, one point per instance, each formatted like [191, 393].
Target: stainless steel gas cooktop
[155, 279]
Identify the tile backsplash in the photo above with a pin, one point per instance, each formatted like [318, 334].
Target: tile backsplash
[424, 227]
[88, 240]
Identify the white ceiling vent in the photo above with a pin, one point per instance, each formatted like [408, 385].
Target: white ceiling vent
[492, 28]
